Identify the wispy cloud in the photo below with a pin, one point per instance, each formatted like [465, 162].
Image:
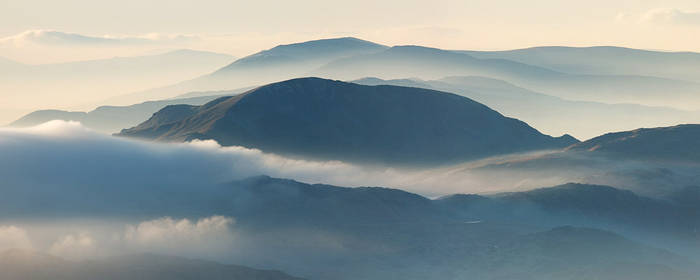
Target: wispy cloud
[663, 16]
[59, 38]
[672, 16]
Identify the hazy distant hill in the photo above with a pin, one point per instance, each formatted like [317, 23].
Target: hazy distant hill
[676, 143]
[112, 119]
[279, 63]
[581, 204]
[28, 265]
[86, 82]
[431, 63]
[351, 58]
[324, 119]
[550, 114]
[10, 65]
[605, 60]
[311, 52]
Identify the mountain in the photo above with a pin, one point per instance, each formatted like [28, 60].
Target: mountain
[314, 52]
[505, 235]
[676, 143]
[111, 119]
[84, 82]
[608, 60]
[263, 200]
[550, 114]
[279, 63]
[431, 63]
[580, 204]
[325, 119]
[29, 265]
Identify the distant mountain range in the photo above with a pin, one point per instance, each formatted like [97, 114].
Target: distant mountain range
[351, 58]
[279, 63]
[431, 63]
[550, 114]
[324, 119]
[18, 264]
[112, 119]
[605, 60]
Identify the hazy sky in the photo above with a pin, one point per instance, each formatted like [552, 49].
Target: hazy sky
[128, 27]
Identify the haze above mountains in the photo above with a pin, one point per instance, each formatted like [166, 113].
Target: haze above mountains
[82, 84]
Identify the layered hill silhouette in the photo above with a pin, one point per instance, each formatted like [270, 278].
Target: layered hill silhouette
[325, 119]
[81, 83]
[550, 114]
[598, 79]
[112, 119]
[605, 60]
[432, 63]
[278, 63]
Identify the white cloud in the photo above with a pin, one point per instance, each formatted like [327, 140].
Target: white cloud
[167, 235]
[58, 38]
[663, 16]
[206, 237]
[12, 237]
[74, 246]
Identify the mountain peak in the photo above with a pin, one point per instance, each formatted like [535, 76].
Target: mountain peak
[334, 120]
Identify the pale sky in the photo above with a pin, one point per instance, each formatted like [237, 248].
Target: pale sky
[88, 29]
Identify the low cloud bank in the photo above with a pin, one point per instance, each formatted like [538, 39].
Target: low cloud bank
[61, 168]
[206, 237]
[172, 236]
[58, 157]
[12, 237]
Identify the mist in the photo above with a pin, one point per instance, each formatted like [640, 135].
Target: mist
[65, 159]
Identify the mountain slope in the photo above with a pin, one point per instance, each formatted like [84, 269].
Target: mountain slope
[676, 143]
[324, 119]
